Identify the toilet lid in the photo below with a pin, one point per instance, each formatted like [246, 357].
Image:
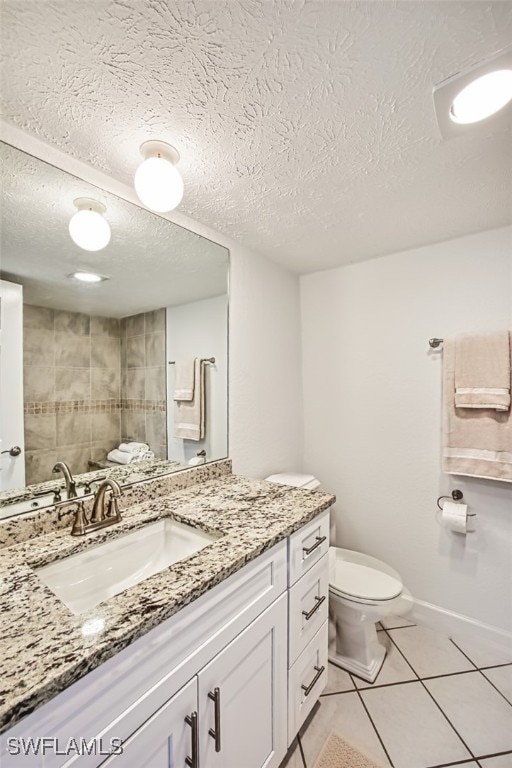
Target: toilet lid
[349, 576]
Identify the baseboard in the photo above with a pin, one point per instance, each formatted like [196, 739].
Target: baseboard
[457, 625]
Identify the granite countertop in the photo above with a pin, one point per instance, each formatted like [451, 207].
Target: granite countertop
[43, 646]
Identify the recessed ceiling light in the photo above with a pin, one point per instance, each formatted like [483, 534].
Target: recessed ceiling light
[464, 101]
[88, 227]
[483, 97]
[87, 277]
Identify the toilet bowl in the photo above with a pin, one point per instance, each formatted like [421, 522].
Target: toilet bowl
[362, 590]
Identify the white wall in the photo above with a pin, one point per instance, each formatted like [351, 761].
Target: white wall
[199, 329]
[372, 409]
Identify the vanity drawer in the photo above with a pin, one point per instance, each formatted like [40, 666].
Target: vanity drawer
[306, 680]
[307, 546]
[307, 607]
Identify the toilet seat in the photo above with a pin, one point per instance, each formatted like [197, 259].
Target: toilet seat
[361, 578]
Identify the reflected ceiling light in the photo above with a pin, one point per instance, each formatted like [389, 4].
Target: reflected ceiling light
[158, 183]
[88, 227]
[483, 97]
[87, 277]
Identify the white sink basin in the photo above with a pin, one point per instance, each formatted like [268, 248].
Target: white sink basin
[82, 581]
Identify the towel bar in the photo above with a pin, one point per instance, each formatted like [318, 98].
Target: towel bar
[203, 360]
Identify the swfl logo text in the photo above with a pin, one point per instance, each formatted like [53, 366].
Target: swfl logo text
[44, 745]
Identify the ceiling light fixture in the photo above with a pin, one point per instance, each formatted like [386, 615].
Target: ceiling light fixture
[483, 97]
[158, 183]
[464, 102]
[88, 227]
[87, 277]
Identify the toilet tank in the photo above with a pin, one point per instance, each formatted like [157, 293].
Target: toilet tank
[296, 480]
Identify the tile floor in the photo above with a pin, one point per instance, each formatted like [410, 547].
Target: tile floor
[436, 702]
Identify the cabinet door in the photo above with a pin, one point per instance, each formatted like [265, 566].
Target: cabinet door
[165, 740]
[242, 697]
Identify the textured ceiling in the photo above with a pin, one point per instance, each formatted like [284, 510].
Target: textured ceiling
[150, 262]
[306, 129]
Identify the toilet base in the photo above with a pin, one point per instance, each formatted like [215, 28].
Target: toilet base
[368, 672]
[353, 640]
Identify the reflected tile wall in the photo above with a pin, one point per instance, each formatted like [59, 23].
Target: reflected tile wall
[143, 380]
[72, 389]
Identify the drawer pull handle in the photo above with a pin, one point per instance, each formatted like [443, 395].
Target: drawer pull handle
[215, 734]
[319, 601]
[193, 762]
[308, 688]
[308, 550]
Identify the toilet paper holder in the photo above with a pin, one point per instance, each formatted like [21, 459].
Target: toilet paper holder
[456, 496]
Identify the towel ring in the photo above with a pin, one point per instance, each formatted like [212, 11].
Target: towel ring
[456, 496]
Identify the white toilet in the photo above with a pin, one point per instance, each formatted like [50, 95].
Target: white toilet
[362, 590]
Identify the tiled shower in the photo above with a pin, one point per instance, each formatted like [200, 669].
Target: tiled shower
[89, 383]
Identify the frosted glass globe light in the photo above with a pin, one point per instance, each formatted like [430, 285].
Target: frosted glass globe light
[88, 228]
[158, 182]
[483, 97]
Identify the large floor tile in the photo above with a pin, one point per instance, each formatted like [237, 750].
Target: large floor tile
[337, 680]
[481, 655]
[392, 622]
[343, 713]
[414, 731]
[293, 758]
[394, 669]
[501, 677]
[429, 653]
[480, 715]
[503, 761]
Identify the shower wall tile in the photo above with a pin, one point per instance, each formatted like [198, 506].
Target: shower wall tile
[39, 347]
[72, 410]
[154, 321]
[38, 383]
[38, 317]
[135, 352]
[105, 352]
[72, 384]
[134, 325]
[39, 464]
[105, 326]
[155, 349]
[73, 429]
[155, 383]
[105, 383]
[40, 432]
[72, 351]
[73, 323]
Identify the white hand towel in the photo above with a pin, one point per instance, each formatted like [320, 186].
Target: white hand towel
[121, 457]
[184, 380]
[134, 447]
[482, 371]
[189, 418]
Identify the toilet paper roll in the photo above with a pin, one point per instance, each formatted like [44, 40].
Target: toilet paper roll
[455, 516]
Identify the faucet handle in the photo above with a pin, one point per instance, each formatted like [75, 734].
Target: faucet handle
[80, 521]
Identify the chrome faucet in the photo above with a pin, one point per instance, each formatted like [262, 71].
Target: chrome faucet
[100, 518]
[60, 466]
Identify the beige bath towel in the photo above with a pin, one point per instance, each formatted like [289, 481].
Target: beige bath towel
[189, 417]
[482, 371]
[184, 373]
[476, 442]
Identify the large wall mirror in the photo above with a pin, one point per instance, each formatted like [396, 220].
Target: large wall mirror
[99, 360]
